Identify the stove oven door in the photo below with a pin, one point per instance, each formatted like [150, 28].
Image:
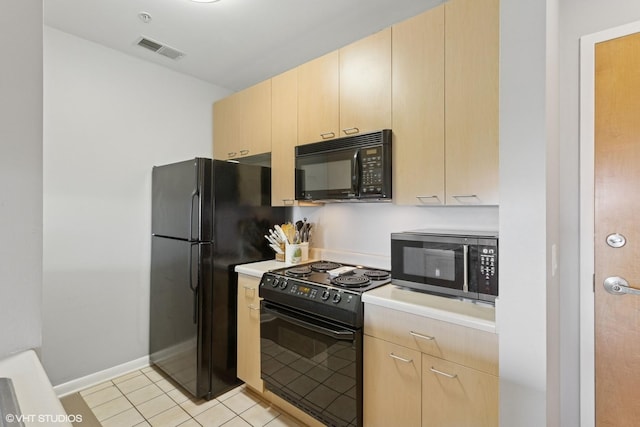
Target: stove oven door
[313, 364]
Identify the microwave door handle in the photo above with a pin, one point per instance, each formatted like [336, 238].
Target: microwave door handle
[355, 178]
[465, 263]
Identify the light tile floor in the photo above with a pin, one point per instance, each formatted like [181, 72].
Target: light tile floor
[146, 397]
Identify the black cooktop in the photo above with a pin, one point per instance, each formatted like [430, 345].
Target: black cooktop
[330, 273]
[323, 288]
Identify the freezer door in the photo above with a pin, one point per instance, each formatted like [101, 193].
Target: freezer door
[182, 200]
[179, 340]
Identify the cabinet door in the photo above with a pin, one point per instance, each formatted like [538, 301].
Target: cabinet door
[255, 119]
[242, 123]
[284, 136]
[226, 128]
[248, 342]
[391, 384]
[365, 84]
[318, 99]
[457, 396]
[471, 101]
[418, 109]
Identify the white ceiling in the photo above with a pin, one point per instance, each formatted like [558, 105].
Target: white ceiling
[231, 43]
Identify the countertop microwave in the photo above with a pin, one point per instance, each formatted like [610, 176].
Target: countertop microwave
[353, 168]
[451, 263]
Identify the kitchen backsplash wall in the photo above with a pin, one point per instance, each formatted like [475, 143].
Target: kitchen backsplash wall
[365, 228]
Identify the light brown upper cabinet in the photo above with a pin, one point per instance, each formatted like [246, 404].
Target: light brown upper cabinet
[418, 109]
[318, 114]
[347, 91]
[365, 84]
[472, 39]
[445, 105]
[284, 137]
[242, 123]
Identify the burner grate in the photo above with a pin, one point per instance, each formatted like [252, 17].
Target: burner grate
[324, 266]
[377, 274]
[298, 271]
[350, 281]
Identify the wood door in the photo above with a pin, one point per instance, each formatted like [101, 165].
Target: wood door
[472, 42]
[365, 84]
[418, 109]
[617, 203]
[318, 115]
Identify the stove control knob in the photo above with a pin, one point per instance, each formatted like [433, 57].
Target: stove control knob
[325, 295]
[275, 282]
[336, 298]
[283, 284]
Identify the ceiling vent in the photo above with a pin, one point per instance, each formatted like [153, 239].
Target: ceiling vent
[160, 48]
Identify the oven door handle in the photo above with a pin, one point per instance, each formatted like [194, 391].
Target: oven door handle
[340, 335]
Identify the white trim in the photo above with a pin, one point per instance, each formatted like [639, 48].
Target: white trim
[78, 384]
[587, 300]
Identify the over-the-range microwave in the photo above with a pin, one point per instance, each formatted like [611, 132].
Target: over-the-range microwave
[450, 263]
[352, 168]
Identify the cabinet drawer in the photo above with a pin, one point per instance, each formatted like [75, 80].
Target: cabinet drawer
[466, 346]
[454, 395]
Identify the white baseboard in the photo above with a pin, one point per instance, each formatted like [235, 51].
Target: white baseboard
[78, 384]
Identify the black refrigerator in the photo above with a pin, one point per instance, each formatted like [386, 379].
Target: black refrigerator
[207, 217]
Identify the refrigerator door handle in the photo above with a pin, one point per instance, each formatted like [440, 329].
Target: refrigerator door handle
[195, 194]
[194, 289]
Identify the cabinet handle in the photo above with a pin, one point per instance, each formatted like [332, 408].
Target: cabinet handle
[350, 131]
[253, 307]
[402, 359]
[444, 374]
[465, 196]
[232, 154]
[244, 152]
[434, 197]
[287, 202]
[327, 135]
[424, 337]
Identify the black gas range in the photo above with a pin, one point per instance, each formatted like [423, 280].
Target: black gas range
[311, 319]
[324, 288]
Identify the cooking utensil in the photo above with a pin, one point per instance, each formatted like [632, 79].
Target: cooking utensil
[281, 233]
[276, 248]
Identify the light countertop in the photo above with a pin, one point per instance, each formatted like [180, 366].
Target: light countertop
[464, 313]
[257, 269]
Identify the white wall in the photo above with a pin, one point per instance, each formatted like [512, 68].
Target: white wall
[20, 176]
[108, 118]
[523, 213]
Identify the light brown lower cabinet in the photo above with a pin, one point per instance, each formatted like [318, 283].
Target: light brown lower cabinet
[457, 396]
[392, 384]
[248, 361]
[411, 379]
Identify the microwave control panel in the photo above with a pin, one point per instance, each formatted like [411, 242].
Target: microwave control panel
[372, 180]
[488, 264]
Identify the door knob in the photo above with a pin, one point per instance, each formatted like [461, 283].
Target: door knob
[619, 286]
